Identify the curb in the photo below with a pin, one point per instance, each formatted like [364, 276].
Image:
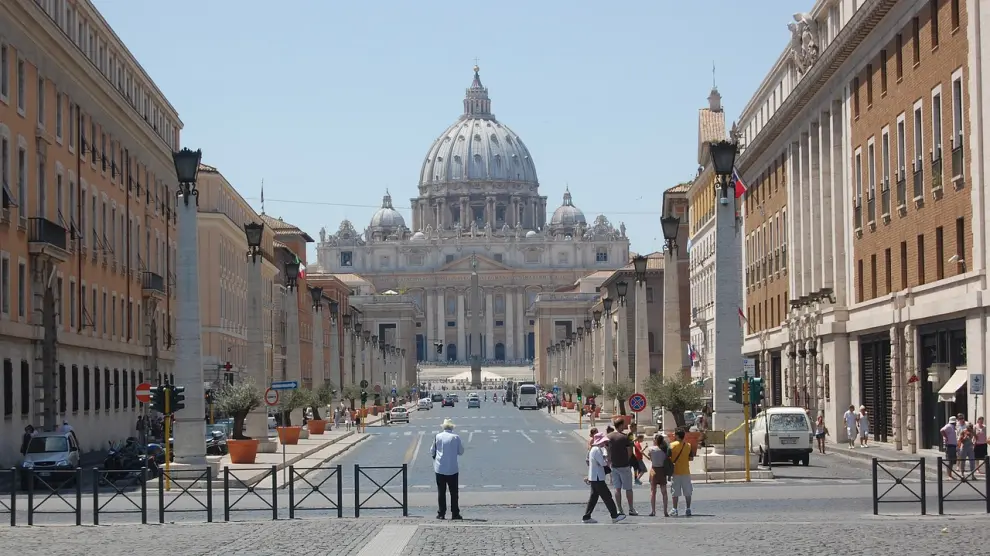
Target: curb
[300, 456]
[908, 463]
[345, 449]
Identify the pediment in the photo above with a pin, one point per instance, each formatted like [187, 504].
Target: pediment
[464, 265]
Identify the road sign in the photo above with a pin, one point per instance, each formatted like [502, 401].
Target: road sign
[271, 397]
[749, 366]
[285, 385]
[393, 390]
[378, 388]
[977, 386]
[143, 392]
[364, 383]
[637, 402]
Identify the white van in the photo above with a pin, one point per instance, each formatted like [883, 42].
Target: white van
[782, 434]
[527, 397]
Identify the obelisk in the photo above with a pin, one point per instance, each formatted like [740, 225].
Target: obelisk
[475, 341]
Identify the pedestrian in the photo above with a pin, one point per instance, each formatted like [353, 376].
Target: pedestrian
[864, 428]
[620, 453]
[591, 410]
[447, 447]
[948, 433]
[821, 431]
[66, 428]
[598, 469]
[26, 439]
[639, 468]
[852, 430]
[660, 467]
[980, 444]
[680, 483]
[591, 436]
[966, 451]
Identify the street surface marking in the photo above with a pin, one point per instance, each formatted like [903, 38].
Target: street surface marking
[532, 430]
[407, 433]
[413, 449]
[390, 541]
[492, 486]
[526, 436]
[527, 486]
[506, 430]
[476, 430]
[470, 437]
[421, 486]
[561, 486]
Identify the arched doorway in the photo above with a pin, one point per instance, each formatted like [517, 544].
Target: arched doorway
[500, 351]
[451, 352]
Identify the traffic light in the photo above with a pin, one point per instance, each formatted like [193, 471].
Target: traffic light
[579, 393]
[755, 390]
[158, 394]
[439, 346]
[177, 400]
[209, 397]
[735, 389]
[364, 397]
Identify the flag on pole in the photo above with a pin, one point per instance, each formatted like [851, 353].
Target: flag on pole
[692, 353]
[738, 183]
[302, 268]
[743, 318]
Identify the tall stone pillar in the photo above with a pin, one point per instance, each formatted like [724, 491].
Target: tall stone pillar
[510, 324]
[489, 351]
[319, 368]
[475, 325]
[189, 427]
[462, 350]
[641, 372]
[727, 341]
[257, 421]
[347, 377]
[293, 358]
[673, 348]
[441, 325]
[622, 343]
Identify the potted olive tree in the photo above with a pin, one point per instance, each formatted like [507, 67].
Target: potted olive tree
[620, 391]
[238, 400]
[676, 395]
[590, 389]
[352, 393]
[322, 398]
[289, 401]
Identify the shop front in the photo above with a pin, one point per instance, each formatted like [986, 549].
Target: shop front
[875, 384]
[944, 377]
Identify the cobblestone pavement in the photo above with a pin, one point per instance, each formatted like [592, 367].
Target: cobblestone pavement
[765, 534]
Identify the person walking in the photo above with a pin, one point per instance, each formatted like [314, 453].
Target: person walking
[980, 444]
[852, 430]
[620, 454]
[864, 428]
[447, 447]
[660, 464]
[821, 431]
[967, 451]
[948, 433]
[680, 484]
[597, 470]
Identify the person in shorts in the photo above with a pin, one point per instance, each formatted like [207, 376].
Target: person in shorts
[620, 454]
[658, 455]
[948, 433]
[680, 482]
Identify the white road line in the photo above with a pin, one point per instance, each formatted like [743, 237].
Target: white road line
[561, 486]
[491, 432]
[476, 430]
[526, 436]
[492, 486]
[407, 433]
[470, 437]
[421, 486]
[533, 430]
[419, 444]
[527, 486]
[506, 430]
[390, 541]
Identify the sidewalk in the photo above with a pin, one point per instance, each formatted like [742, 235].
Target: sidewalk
[885, 452]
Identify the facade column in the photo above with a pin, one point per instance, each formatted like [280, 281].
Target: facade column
[441, 325]
[257, 420]
[365, 359]
[912, 388]
[293, 358]
[641, 371]
[319, 367]
[728, 329]
[189, 426]
[622, 344]
[489, 351]
[462, 351]
[429, 331]
[510, 324]
[767, 374]
[521, 323]
[896, 377]
[347, 378]
[336, 375]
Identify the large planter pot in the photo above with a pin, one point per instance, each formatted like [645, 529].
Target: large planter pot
[692, 438]
[289, 435]
[374, 411]
[243, 451]
[626, 419]
[318, 426]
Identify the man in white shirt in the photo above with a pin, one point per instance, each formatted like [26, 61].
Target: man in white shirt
[852, 430]
[447, 447]
[948, 433]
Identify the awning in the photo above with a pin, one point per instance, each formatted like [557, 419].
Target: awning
[958, 379]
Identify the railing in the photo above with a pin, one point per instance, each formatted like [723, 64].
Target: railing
[270, 473]
[898, 480]
[152, 282]
[360, 504]
[919, 181]
[858, 215]
[186, 482]
[578, 297]
[8, 479]
[885, 198]
[969, 480]
[103, 477]
[937, 173]
[316, 491]
[957, 159]
[51, 490]
[871, 207]
[42, 230]
[901, 191]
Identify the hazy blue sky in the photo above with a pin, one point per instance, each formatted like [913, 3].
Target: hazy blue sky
[330, 103]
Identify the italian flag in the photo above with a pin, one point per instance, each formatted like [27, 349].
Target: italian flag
[302, 269]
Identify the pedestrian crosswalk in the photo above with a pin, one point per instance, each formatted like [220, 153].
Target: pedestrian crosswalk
[470, 432]
[832, 482]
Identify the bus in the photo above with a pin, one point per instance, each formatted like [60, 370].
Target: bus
[527, 396]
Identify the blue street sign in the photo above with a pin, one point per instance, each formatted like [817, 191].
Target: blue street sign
[284, 385]
[393, 389]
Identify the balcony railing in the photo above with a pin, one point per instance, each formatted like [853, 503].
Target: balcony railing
[152, 283]
[858, 215]
[885, 198]
[957, 159]
[871, 207]
[44, 231]
[937, 173]
[919, 181]
[901, 191]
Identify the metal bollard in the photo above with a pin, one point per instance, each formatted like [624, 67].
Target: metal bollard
[30, 481]
[292, 494]
[78, 482]
[13, 496]
[924, 496]
[161, 496]
[96, 496]
[274, 492]
[209, 495]
[405, 490]
[144, 495]
[340, 490]
[357, 490]
[226, 493]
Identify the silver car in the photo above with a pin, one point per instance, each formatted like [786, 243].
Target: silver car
[398, 415]
[51, 455]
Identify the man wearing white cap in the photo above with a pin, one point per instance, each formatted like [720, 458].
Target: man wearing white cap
[447, 447]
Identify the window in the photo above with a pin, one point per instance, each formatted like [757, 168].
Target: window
[859, 178]
[73, 315]
[601, 255]
[904, 265]
[21, 290]
[957, 111]
[4, 285]
[921, 259]
[25, 388]
[873, 276]
[59, 199]
[41, 101]
[73, 113]
[42, 190]
[86, 388]
[498, 257]
[859, 281]
[933, 5]
[855, 87]
[103, 312]
[883, 72]
[63, 395]
[937, 124]
[97, 391]
[869, 85]
[939, 253]
[107, 384]
[58, 116]
[346, 258]
[22, 196]
[649, 295]
[885, 162]
[901, 150]
[888, 286]
[919, 146]
[955, 13]
[60, 292]
[916, 41]
[75, 388]
[8, 388]
[4, 72]
[899, 56]
[21, 87]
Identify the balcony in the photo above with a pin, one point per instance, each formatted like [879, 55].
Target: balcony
[885, 200]
[47, 239]
[957, 162]
[901, 193]
[937, 177]
[152, 285]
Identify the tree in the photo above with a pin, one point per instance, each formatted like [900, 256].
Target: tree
[322, 397]
[290, 400]
[676, 395]
[352, 392]
[590, 389]
[237, 400]
[620, 391]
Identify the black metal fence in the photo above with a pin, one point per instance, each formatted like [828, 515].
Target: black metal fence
[136, 502]
[898, 477]
[187, 484]
[397, 472]
[959, 477]
[316, 491]
[267, 475]
[8, 479]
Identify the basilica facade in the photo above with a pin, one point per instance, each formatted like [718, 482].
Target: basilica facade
[478, 202]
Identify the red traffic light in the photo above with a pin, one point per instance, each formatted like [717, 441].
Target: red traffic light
[227, 366]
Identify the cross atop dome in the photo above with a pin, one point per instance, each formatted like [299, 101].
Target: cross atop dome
[476, 102]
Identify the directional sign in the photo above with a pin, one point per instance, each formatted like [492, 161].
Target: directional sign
[749, 366]
[364, 383]
[271, 397]
[637, 402]
[977, 386]
[393, 390]
[143, 392]
[378, 388]
[285, 385]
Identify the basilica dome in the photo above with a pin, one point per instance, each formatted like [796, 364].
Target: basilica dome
[567, 215]
[477, 147]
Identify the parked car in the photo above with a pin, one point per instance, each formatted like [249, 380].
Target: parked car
[53, 456]
[398, 414]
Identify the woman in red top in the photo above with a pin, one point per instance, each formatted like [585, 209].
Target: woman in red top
[638, 465]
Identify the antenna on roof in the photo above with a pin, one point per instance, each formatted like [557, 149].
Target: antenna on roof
[262, 195]
[713, 75]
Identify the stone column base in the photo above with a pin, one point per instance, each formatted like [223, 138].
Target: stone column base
[189, 466]
[267, 446]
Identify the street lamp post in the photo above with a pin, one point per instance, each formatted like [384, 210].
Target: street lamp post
[572, 358]
[588, 372]
[547, 369]
[728, 293]
[347, 371]
[318, 374]
[293, 350]
[257, 420]
[622, 331]
[673, 349]
[579, 356]
[642, 340]
[365, 354]
[608, 367]
[598, 370]
[189, 428]
[336, 375]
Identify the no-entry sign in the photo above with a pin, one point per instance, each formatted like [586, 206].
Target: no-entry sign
[143, 392]
[271, 397]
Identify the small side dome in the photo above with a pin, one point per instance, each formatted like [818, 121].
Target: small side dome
[530, 234]
[418, 236]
